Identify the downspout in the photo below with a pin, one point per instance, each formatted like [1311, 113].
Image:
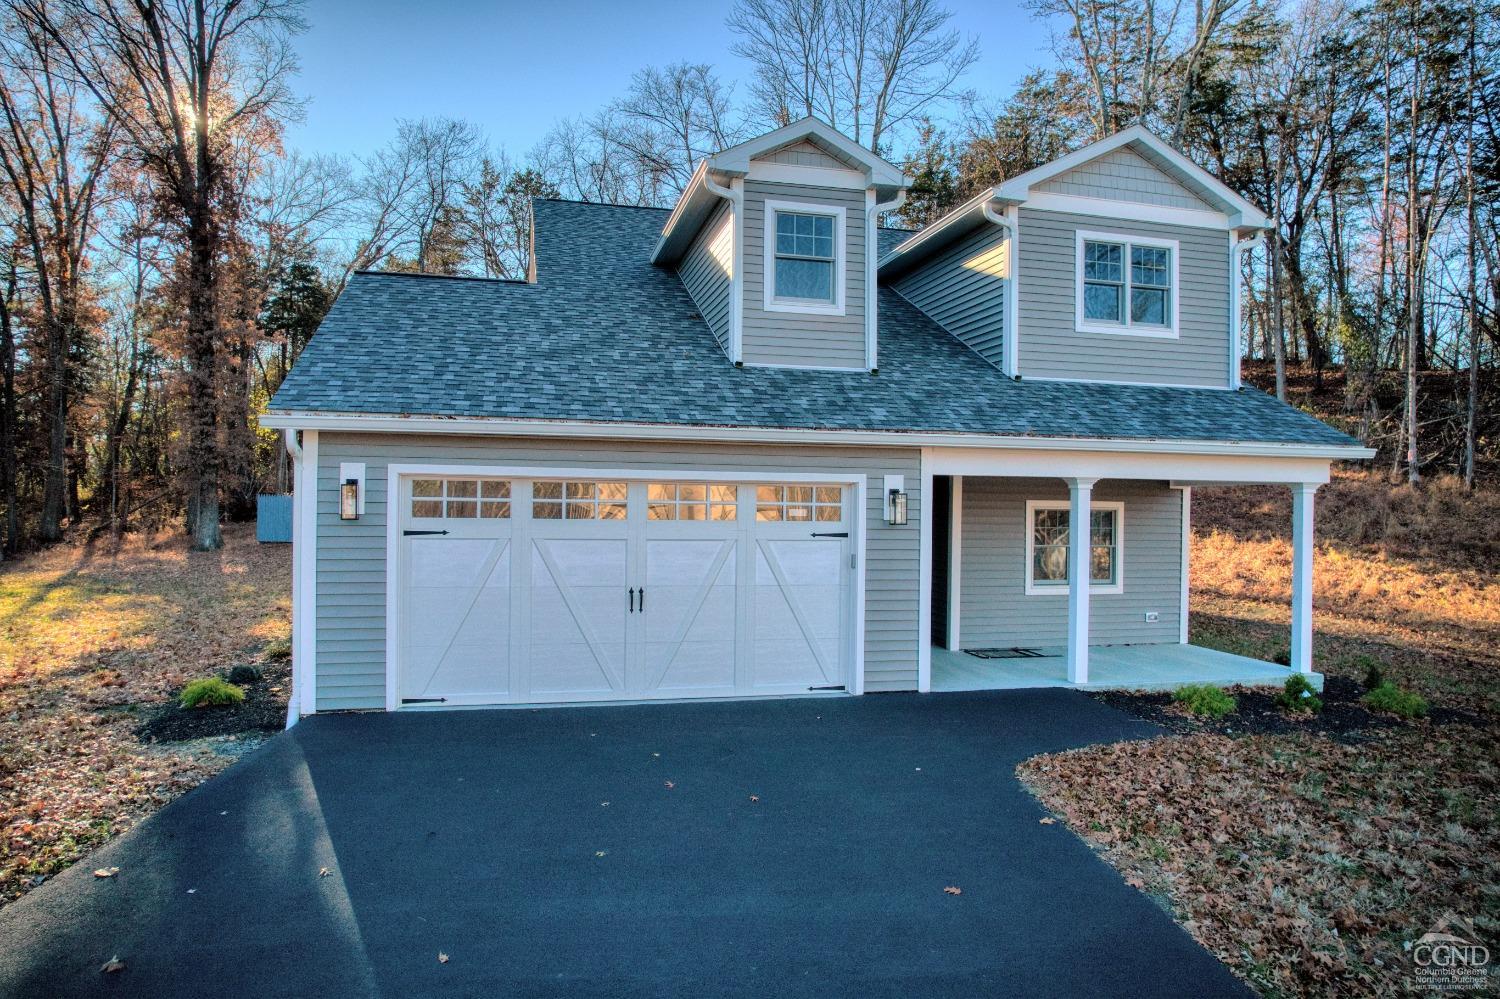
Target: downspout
[1012, 334]
[873, 211]
[735, 195]
[294, 448]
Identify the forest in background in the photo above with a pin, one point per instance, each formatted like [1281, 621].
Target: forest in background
[166, 256]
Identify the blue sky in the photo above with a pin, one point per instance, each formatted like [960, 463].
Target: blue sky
[515, 68]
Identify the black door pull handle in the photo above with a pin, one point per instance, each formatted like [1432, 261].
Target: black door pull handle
[643, 600]
[632, 600]
[830, 534]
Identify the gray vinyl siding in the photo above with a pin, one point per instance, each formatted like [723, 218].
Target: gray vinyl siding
[351, 557]
[1052, 347]
[963, 291]
[802, 338]
[1124, 175]
[707, 272]
[994, 609]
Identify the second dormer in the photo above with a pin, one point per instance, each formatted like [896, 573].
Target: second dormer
[775, 240]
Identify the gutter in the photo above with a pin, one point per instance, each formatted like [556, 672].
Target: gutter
[504, 426]
[294, 448]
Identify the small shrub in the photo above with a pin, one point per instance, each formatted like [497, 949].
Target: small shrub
[1374, 669]
[1205, 699]
[277, 650]
[243, 674]
[210, 692]
[1392, 699]
[1297, 694]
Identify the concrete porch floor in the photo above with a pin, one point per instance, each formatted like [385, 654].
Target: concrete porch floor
[1111, 667]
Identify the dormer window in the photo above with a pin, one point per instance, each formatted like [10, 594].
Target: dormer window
[1126, 284]
[804, 258]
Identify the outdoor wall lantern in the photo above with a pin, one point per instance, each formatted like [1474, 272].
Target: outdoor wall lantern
[895, 500]
[349, 500]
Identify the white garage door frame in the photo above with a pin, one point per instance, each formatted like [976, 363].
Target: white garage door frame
[855, 481]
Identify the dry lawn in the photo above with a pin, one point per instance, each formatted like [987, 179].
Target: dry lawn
[1303, 863]
[95, 635]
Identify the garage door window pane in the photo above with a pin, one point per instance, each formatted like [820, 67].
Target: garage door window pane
[459, 499]
[494, 489]
[799, 504]
[463, 488]
[690, 501]
[547, 490]
[579, 499]
[427, 508]
[462, 509]
[495, 511]
[427, 487]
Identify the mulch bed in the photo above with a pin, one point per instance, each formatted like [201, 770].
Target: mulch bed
[1343, 718]
[262, 710]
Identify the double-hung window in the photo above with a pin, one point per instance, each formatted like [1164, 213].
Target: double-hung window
[1048, 536]
[1127, 284]
[804, 258]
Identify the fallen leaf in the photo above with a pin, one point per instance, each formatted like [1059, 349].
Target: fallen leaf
[113, 966]
[192, 891]
[442, 958]
[323, 872]
[1048, 821]
[106, 872]
[603, 804]
[656, 755]
[670, 785]
[755, 797]
[600, 853]
[953, 890]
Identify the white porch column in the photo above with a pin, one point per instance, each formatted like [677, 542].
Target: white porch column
[1080, 534]
[1302, 575]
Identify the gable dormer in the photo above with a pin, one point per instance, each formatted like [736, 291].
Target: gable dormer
[774, 239]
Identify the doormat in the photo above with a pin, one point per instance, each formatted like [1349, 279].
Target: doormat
[1004, 653]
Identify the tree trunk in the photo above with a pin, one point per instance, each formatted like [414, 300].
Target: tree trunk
[203, 409]
[1413, 287]
[55, 472]
[1471, 406]
[12, 540]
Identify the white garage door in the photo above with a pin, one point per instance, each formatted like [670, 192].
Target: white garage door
[517, 590]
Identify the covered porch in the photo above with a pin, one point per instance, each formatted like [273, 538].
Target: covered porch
[1004, 606]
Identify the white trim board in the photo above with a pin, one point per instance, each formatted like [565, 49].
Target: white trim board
[1131, 211]
[924, 580]
[1035, 589]
[507, 427]
[955, 563]
[305, 565]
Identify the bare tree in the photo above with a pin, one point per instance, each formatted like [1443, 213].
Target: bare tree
[870, 68]
[54, 155]
[678, 115]
[183, 81]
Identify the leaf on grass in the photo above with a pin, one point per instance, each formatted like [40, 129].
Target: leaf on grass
[442, 958]
[323, 872]
[953, 890]
[113, 966]
[106, 872]
[1048, 821]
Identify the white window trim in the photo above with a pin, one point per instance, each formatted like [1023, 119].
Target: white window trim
[1035, 589]
[1125, 328]
[768, 273]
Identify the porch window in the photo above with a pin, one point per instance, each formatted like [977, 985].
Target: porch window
[1126, 284]
[1048, 536]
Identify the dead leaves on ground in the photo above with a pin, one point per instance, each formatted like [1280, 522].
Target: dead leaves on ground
[113, 966]
[106, 872]
[953, 890]
[1303, 863]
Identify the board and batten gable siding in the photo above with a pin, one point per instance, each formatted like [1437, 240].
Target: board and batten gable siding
[351, 558]
[707, 271]
[963, 291]
[994, 608]
[795, 338]
[1124, 175]
[1051, 345]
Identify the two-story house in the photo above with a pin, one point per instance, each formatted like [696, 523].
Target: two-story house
[758, 445]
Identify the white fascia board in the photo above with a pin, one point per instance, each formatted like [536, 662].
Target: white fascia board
[1131, 211]
[933, 236]
[694, 189]
[505, 427]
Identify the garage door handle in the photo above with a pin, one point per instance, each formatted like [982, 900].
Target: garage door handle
[643, 600]
[830, 534]
[410, 533]
[632, 600]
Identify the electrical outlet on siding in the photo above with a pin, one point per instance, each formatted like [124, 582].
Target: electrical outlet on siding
[1152, 617]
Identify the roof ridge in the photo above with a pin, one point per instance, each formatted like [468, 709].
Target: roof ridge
[441, 277]
[601, 204]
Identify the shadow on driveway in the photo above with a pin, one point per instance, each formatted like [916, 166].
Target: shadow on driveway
[479, 834]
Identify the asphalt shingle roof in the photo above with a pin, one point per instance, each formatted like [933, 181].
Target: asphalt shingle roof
[605, 336]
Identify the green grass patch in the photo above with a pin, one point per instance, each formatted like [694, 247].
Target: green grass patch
[1393, 700]
[1205, 699]
[210, 692]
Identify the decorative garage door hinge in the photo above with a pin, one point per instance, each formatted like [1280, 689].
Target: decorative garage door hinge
[410, 533]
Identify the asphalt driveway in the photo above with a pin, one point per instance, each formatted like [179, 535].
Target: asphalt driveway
[619, 852]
